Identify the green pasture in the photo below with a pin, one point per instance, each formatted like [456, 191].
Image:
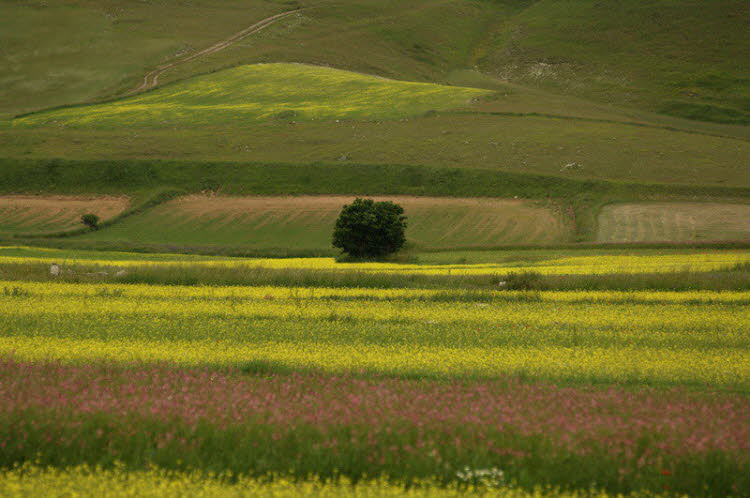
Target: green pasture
[86, 50]
[549, 66]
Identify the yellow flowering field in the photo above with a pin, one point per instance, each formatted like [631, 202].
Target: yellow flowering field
[118, 388]
[671, 338]
[119, 482]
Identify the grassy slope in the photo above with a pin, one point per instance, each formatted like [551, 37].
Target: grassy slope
[429, 40]
[307, 222]
[639, 53]
[506, 143]
[688, 58]
[60, 52]
[420, 40]
[57, 52]
[259, 92]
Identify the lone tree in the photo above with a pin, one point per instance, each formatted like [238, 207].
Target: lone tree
[369, 229]
[90, 220]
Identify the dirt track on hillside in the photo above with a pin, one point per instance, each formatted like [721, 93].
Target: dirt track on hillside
[152, 78]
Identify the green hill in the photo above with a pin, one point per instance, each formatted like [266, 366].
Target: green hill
[686, 58]
[242, 95]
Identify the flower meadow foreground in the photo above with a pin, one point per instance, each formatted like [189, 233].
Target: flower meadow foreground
[344, 426]
[116, 389]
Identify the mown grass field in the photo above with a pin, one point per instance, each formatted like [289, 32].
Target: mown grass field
[509, 392]
[243, 95]
[673, 222]
[307, 222]
[29, 214]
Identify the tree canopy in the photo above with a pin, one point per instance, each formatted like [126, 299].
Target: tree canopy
[369, 229]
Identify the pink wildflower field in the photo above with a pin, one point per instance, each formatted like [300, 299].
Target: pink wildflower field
[368, 426]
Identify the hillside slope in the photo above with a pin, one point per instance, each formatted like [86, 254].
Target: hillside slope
[549, 120]
[260, 92]
[57, 52]
[687, 58]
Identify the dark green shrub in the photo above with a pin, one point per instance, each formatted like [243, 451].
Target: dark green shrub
[90, 220]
